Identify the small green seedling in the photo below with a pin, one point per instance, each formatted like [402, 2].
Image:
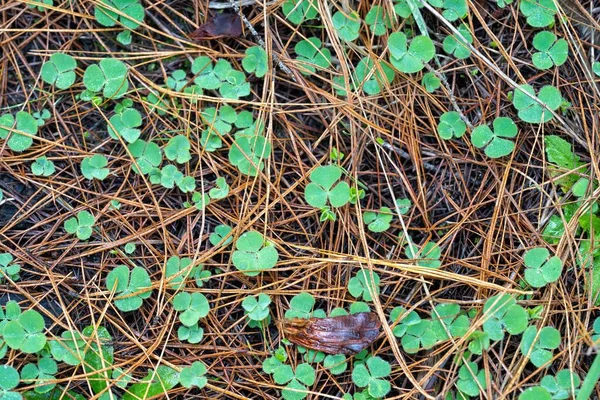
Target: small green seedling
[59, 71]
[448, 322]
[428, 257]
[130, 288]
[121, 378]
[541, 269]
[403, 320]
[551, 52]
[298, 11]
[378, 221]
[125, 124]
[495, 143]
[9, 381]
[364, 285]
[372, 374]
[457, 45]
[451, 126]
[219, 234]
[154, 384]
[321, 190]
[346, 25]
[26, 332]
[191, 334]
[539, 13]
[94, 167]
[40, 375]
[115, 204]
[418, 336]
[311, 55]
[8, 268]
[129, 248]
[21, 137]
[431, 82]
[177, 271]
[256, 61]
[502, 314]
[335, 363]
[410, 59]
[564, 385]
[193, 376]
[177, 80]
[81, 225]
[42, 167]
[248, 153]
[403, 205]
[378, 20]
[471, 380]
[108, 76]
[41, 116]
[538, 109]
[257, 307]
[372, 76]
[178, 149]
[230, 82]
[253, 254]
[200, 200]
[538, 345]
[201, 275]
[192, 307]
[167, 177]
[221, 189]
[129, 13]
[302, 306]
[147, 156]
[535, 393]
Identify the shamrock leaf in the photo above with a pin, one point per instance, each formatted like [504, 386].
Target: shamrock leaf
[253, 255]
[495, 143]
[541, 269]
[129, 287]
[59, 70]
[410, 59]
[81, 225]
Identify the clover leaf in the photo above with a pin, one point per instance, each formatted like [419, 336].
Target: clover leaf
[551, 52]
[205, 77]
[310, 54]
[418, 336]
[155, 383]
[321, 190]
[451, 126]
[378, 221]
[478, 342]
[335, 363]
[9, 379]
[247, 153]
[94, 167]
[371, 375]
[42, 167]
[535, 393]
[21, 138]
[595, 327]
[130, 13]
[363, 285]
[539, 108]
[302, 305]
[346, 25]
[81, 225]
[219, 235]
[538, 345]
[403, 320]
[372, 76]
[108, 76]
[194, 375]
[431, 82]
[41, 6]
[130, 287]
[253, 255]
[447, 322]
[41, 116]
[428, 256]
[177, 271]
[541, 269]
[539, 13]
[256, 60]
[69, 348]
[501, 313]
[564, 385]
[458, 46]
[192, 307]
[177, 80]
[470, 379]
[178, 149]
[221, 189]
[59, 70]
[404, 9]
[230, 82]
[378, 20]
[410, 58]
[147, 156]
[191, 334]
[125, 124]
[9, 269]
[257, 307]
[403, 205]
[169, 177]
[495, 143]
[455, 9]
[298, 11]
[25, 333]
[41, 374]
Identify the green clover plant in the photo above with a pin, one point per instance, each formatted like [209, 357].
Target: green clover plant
[564, 385]
[428, 256]
[178, 149]
[257, 307]
[457, 45]
[59, 70]
[94, 167]
[147, 156]
[108, 76]
[19, 138]
[538, 109]
[302, 306]
[551, 52]
[471, 380]
[346, 25]
[130, 287]
[451, 126]
[502, 314]
[378, 221]
[40, 374]
[372, 374]
[311, 54]
[192, 307]
[363, 285]
[541, 269]
[81, 225]
[177, 271]
[42, 167]
[248, 153]
[378, 20]
[193, 376]
[192, 334]
[221, 189]
[256, 61]
[323, 190]
[298, 11]
[8, 268]
[177, 80]
[128, 13]
[539, 13]
[219, 235]
[125, 124]
[25, 332]
[495, 143]
[410, 58]
[448, 322]
[254, 254]
[538, 345]
[431, 82]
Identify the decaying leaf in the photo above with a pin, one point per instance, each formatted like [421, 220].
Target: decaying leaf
[346, 334]
[222, 25]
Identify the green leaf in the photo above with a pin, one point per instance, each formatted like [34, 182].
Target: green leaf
[253, 255]
[59, 70]
[552, 52]
[540, 349]
[470, 379]
[9, 379]
[247, 154]
[194, 375]
[336, 364]
[535, 393]
[42, 167]
[370, 375]
[301, 306]
[447, 322]
[298, 11]
[131, 13]
[502, 314]
[69, 348]
[373, 75]
[410, 59]
[495, 143]
[541, 269]
[81, 225]
[311, 55]
[124, 124]
[256, 61]
[403, 320]
[153, 384]
[451, 126]
[26, 332]
[321, 190]
[419, 336]
[191, 306]
[21, 138]
[347, 26]
[177, 80]
[538, 109]
[378, 222]
[257, 307]
[221, 189]
[455, 9]
[220, 232]
[147, 156]
[191, 334]
[431, 82]
[177, 271]
[539, 13]
[457, 45]
[94, 167]
[305, 374]
[12, 270]
[96, 360]
[378, 20]
[108, 76]
[130, 287]
[363, 285]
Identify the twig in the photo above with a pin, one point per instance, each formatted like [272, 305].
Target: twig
[219, 5]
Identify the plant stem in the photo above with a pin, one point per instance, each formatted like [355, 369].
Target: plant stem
[590, 381]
